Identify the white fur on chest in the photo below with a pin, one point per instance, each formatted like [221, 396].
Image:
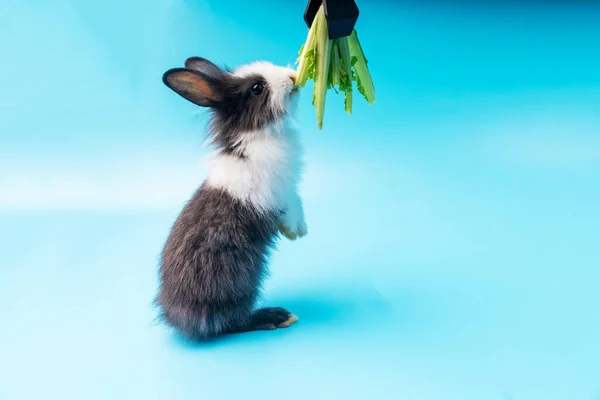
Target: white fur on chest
[268, 174]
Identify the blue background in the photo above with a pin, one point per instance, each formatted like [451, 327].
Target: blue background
[453, 250]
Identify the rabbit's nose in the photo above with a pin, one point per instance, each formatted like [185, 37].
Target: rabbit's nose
[293, 78]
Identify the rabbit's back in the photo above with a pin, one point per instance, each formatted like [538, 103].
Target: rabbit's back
[213, 262]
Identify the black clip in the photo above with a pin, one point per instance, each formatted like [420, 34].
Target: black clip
[341, 16]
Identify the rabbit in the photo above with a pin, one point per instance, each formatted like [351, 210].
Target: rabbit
[215, 258]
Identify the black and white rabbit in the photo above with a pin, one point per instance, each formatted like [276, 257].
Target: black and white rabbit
[216, 255]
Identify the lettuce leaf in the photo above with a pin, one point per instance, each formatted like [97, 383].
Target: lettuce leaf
[364, 83]
[333, 64]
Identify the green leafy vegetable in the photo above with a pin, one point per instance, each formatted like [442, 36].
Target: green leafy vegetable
[321, 74]
[346, 74]
[334, 67]
[364, 83]
[333, 64]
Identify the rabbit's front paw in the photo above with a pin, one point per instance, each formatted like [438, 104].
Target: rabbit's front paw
[300, 230]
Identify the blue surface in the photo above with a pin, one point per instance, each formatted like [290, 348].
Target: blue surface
[453, 250]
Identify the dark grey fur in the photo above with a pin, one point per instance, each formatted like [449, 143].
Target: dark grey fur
[216, 255]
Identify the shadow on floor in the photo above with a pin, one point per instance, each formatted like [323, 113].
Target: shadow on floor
[341, 308]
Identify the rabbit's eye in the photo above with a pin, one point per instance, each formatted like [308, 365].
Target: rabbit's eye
[257, 88]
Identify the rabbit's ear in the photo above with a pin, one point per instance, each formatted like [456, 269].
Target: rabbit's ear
[194, 86]
[204, 66]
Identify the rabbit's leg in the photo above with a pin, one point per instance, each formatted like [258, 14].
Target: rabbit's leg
[272, 317]
[292, 224]
[266, 319]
